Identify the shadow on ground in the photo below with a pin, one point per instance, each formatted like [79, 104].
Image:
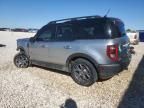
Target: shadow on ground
[63, 73]
[134, 95]
[53, 70]
[1, 45]
[69, 103]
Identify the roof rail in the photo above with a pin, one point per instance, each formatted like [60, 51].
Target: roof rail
[73, 19]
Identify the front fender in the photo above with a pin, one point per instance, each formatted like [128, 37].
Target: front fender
[22, 50]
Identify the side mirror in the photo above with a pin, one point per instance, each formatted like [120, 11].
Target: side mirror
[32, 39]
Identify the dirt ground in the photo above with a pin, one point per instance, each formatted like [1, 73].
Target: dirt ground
[36, 87]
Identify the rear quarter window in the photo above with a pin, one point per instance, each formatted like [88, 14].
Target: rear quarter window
[116, 29]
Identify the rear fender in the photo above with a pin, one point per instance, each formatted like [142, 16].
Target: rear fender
[81, 55]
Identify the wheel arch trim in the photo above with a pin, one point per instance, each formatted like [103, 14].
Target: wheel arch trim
[81, 55]
[24, 51]
[20, 48]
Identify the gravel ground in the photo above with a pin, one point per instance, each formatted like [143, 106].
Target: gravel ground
[35, 87]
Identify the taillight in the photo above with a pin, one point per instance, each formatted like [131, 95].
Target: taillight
[112, 52]
[135, 36]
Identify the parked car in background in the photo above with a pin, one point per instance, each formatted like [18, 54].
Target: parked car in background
[141, 35]
[32, 30]
[5, 29]
[134, 37]
[19, 30]
[89, 48]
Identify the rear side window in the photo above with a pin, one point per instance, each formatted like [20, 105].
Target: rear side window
[90, 30]
[64, 32]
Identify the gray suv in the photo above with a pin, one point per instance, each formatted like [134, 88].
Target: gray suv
[89, 48]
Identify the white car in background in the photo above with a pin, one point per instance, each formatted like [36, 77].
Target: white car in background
[134, 37]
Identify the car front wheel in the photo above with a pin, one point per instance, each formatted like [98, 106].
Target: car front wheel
[21, 61]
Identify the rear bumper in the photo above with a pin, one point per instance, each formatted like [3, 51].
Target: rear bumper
[107, 71]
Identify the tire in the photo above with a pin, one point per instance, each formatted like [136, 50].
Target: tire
[21, 60]
[83, 72]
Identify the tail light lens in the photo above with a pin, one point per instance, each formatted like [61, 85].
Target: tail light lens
[135, 36]
[112, 52]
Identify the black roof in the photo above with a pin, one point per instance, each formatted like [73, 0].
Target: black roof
[74, 19]
[82, 18]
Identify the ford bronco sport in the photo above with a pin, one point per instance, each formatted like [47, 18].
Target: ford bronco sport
[89, 48]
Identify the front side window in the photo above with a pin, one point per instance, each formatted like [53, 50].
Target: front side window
[45, 34]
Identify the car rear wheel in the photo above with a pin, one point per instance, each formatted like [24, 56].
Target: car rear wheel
[83, 72]
[21, 61]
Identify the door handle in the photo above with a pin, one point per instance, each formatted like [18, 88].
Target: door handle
[67, 47]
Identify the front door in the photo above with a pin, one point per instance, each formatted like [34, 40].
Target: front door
[38, 50]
